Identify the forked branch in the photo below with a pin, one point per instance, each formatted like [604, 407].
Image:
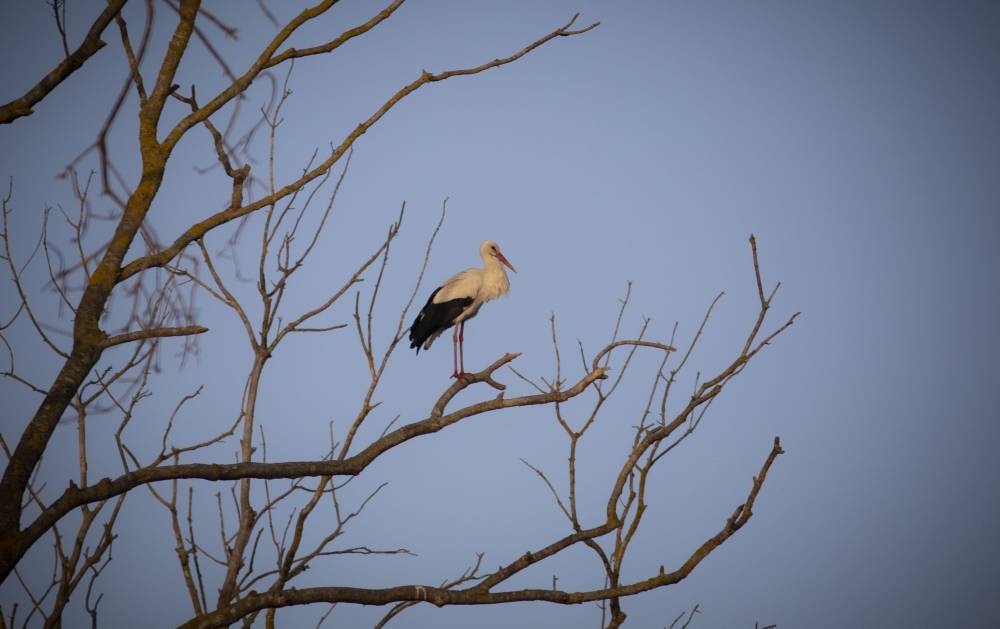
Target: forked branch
[480, 594]
[199, 229]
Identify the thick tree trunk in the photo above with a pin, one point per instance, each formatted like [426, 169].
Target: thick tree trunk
[88, 338]
[88, 345]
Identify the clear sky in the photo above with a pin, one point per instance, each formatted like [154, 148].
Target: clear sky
[860, 142]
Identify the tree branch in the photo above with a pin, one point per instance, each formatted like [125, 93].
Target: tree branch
[138, 335]
[106, 488]
[91, 44]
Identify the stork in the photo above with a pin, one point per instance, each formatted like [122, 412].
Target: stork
[458, 300]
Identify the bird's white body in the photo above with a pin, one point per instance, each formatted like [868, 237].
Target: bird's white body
[480, 285]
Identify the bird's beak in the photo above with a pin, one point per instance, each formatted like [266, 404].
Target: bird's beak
[503, 260]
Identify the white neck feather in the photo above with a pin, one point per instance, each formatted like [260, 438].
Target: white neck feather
[495, 281]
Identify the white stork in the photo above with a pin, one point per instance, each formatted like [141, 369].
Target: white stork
[458, 300]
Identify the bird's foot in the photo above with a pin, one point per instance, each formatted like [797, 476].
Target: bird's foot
[460, 375]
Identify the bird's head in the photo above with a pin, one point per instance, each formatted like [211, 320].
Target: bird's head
[490, 248]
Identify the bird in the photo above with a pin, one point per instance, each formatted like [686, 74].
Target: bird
[458, 300]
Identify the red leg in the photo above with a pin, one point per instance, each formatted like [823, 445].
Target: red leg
[454, 352]
[461, 347]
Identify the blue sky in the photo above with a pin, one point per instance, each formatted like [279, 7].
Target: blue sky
[858, 141]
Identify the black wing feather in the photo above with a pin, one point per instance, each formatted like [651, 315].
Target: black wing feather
[435, 318]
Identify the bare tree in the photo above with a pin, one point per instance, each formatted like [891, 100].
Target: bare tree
[130, 294]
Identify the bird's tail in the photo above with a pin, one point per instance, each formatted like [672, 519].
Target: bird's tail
[414, 341]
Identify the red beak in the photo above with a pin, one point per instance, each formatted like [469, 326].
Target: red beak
[503, 260]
